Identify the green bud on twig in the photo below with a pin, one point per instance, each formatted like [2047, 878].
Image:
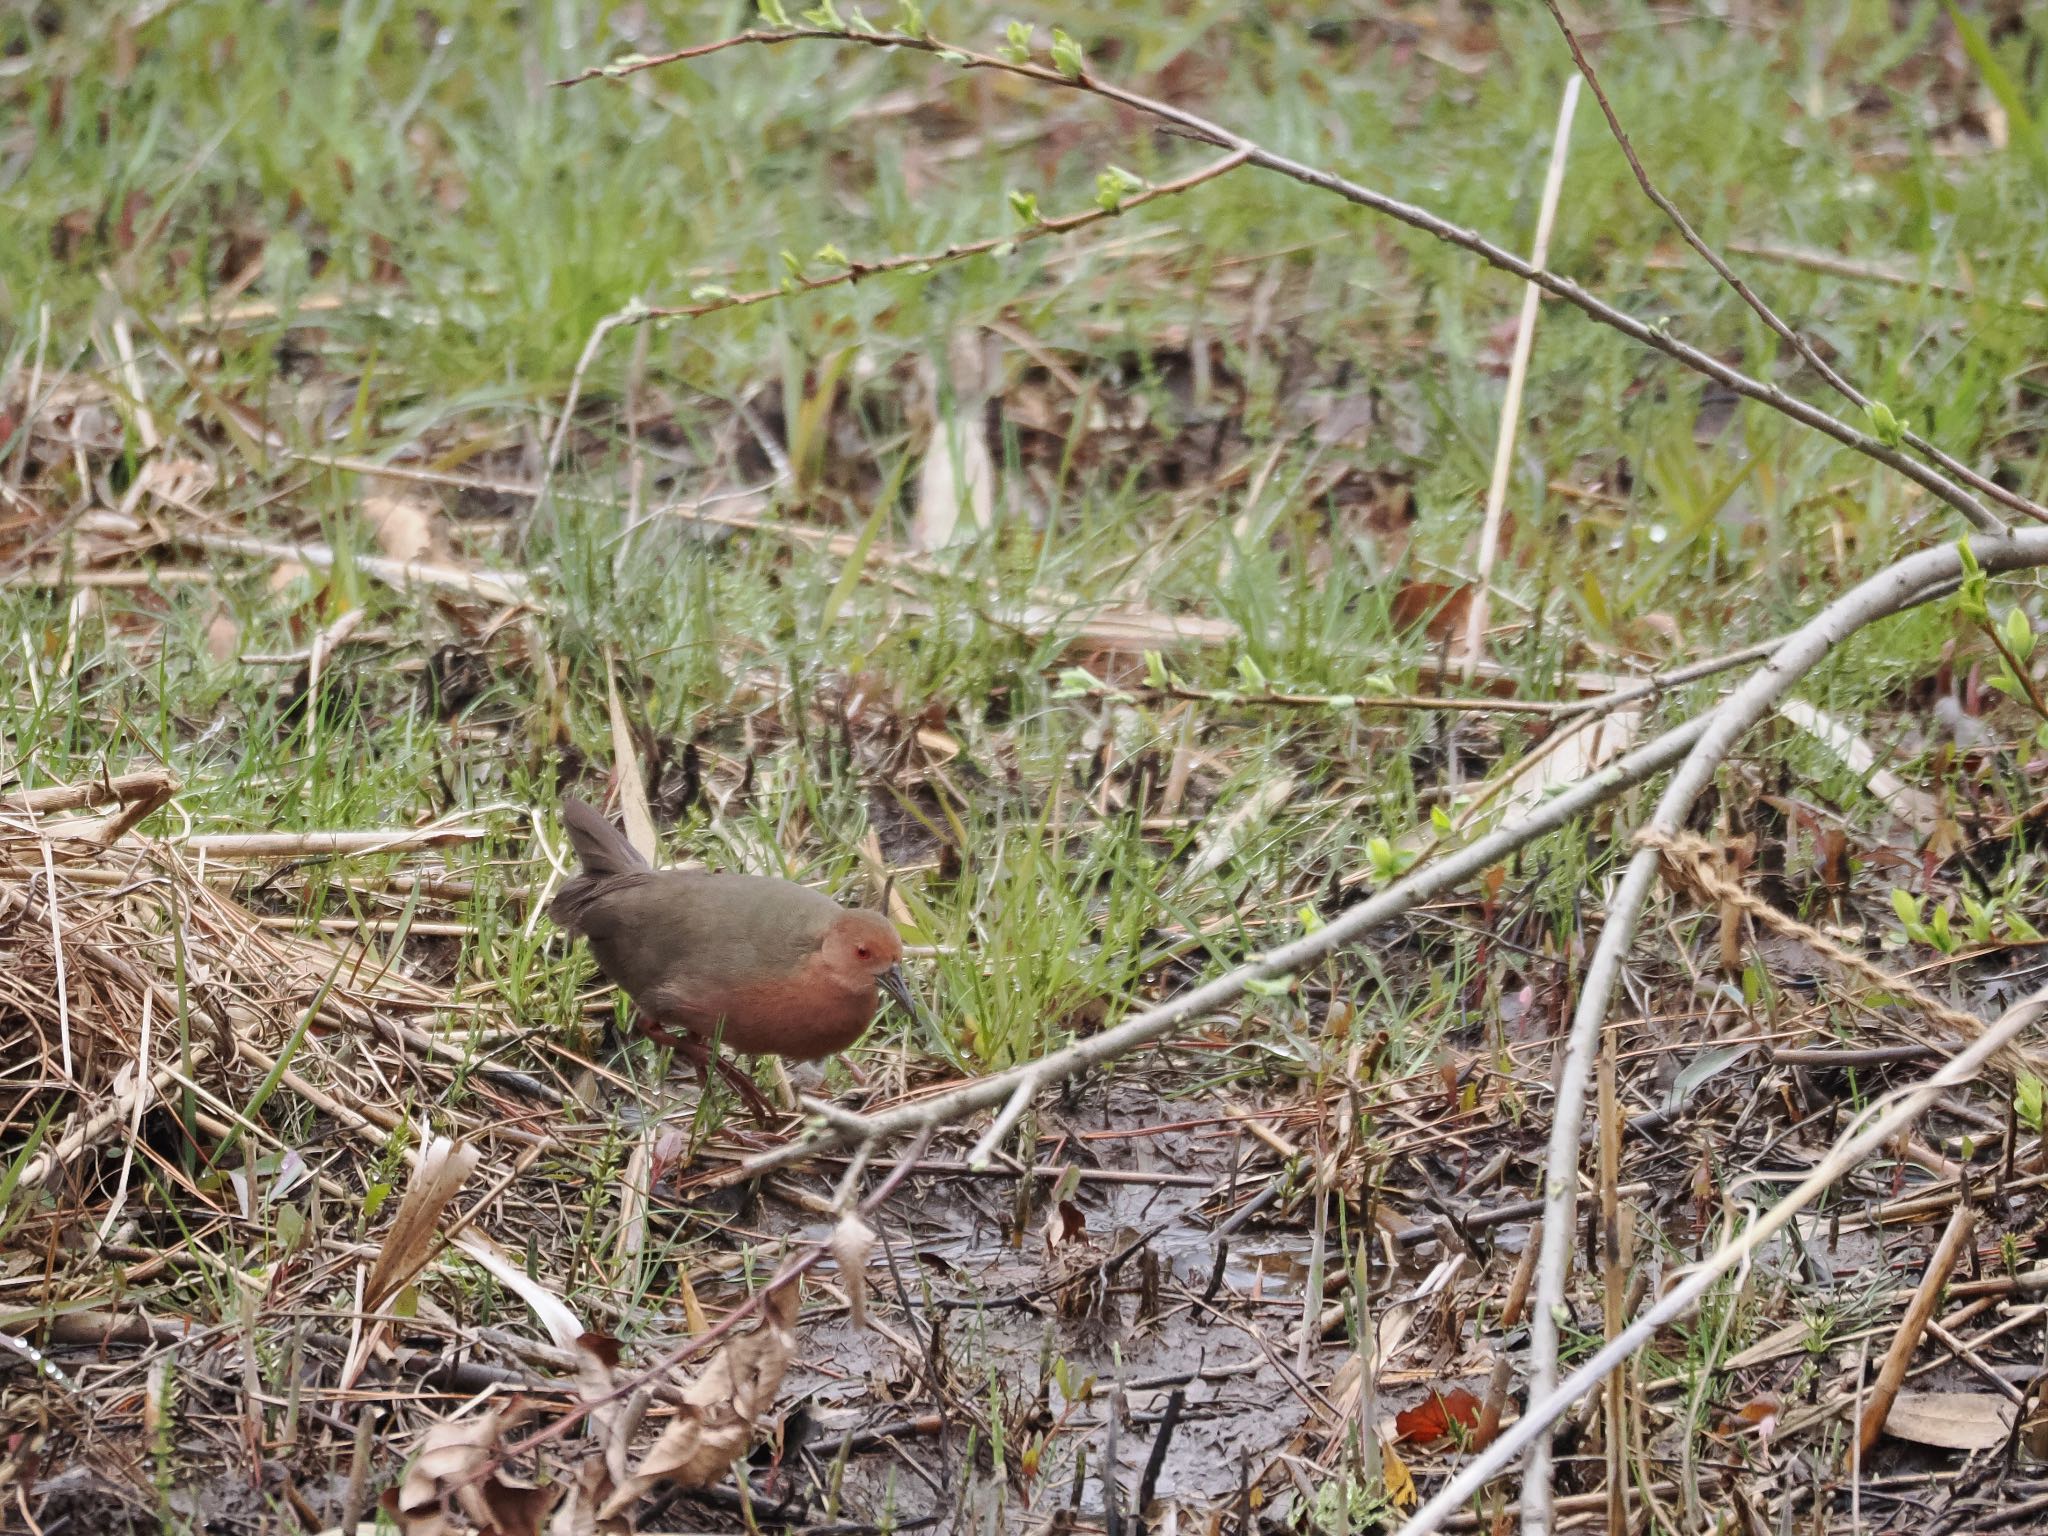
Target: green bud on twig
[1066, 55]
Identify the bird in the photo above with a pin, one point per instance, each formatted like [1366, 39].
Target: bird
[766, 966]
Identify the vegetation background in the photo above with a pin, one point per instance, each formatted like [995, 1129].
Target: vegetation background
[1070, 598]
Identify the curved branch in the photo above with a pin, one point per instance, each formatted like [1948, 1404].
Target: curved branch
[1529, 1430]
[1156, 1023]
[1900, 586]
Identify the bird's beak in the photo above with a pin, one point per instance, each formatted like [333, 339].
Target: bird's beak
[893, 983]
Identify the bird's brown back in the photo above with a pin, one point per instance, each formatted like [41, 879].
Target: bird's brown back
[683, 938]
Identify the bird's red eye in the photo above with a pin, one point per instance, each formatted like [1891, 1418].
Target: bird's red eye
[863, 951]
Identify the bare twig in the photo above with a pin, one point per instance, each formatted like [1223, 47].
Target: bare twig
[638, 313]
[1288, 959]
[1656, 337]
[1764, 312]
[1518, 373]
[1891, 1375]
[1871, 272]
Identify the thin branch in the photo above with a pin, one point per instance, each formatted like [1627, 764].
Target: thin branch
[637, 313]
[1288, 959]
[1764, 312]
[1511, 397]
[1653, 336]
[1902, 585]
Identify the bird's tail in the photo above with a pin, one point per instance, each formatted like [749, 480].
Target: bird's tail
[605, 855]
[601, 847]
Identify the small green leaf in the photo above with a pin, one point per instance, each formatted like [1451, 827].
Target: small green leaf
[1907, 908]
[855, 22]
[2019, 634]
[1017, 42]
[954, 56]
[910, 17]
[773, 13]
[1252, 675]
[1938, 927]
[2020, 931]
[1884, 424]
[1076, 682]
[709, 293]
[1441, 819]
[1114, 186]
[2029, 1099]
[1156, 675]
[1066, 55]
[1025, 206]
[831, 256]
[1280, 986]
[1311, 919]
[825, 16]
[793, 263]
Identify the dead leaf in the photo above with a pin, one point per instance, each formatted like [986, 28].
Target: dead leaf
[584, 1492]
[1439, 608]
[447, 1474]
[1222, 845]
[444, 1167]
[1834, 859]
[1067, 1224]
[853, 1240]
[1952, 1421]
[957, 476]
[406, 528]
[626, 769]
[720, 1408]
[1437, 1415]
[1566, 758]
[563, 1326]
[1399, 1481]
[223, 634]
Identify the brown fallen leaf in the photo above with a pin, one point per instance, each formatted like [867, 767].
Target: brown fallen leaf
[406, 528]
[1439, 608]
[447, 1476]
[223, 634]
[852, 1241]
[720, 1408]
[584, 1492]
[1951, 1421]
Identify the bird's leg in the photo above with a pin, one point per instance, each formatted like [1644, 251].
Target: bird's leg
[860, 1078]
[743, 1085]
[702, 1056]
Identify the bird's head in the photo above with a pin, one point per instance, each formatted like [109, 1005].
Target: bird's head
[861, 945]
[863, 948]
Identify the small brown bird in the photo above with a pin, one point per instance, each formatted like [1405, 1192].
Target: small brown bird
[767, 966]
